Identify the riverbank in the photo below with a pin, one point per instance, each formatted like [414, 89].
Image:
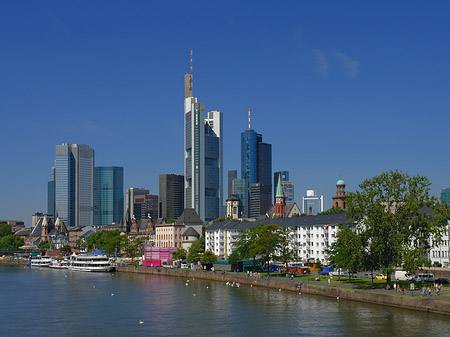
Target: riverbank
[427, 304]
[13, 262]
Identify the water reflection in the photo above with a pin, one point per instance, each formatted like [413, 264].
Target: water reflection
[81, 304]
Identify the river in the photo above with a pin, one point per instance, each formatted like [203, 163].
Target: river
[46, 302]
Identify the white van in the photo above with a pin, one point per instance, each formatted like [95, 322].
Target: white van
[401, 275]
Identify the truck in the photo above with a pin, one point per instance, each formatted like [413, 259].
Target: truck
[326, 270]
[400, 275]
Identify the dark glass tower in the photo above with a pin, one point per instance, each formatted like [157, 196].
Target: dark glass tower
[256, 168]
[108, 195]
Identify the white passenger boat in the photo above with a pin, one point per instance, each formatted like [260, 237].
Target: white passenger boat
[59, 264]
[40, 261]
[91, 262]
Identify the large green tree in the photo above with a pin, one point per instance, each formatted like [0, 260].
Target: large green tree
[196, 250]
[246, 245]
[287, 251]
[11, 240]
[132, 246]
[208, 257]
[111, 241]
[5, 230]
[269, 243]
[395, 216]
[346, 251]
[179, 254]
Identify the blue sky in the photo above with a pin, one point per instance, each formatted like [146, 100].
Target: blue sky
[350, 88]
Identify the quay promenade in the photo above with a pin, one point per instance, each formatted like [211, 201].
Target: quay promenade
[409, 299]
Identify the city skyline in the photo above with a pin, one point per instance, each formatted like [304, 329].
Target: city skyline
[351, 89]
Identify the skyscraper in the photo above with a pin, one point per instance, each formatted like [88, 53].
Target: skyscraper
[286, 185]
[232, 174]
[240, 189]
[130, 193]
[146, 205]
[51, 196]
[108, 195]
[203, 148]
[171, 195]
[74, 184]
[256, 168]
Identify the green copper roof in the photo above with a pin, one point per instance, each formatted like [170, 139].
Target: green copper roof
[340, 182]
[279, 189]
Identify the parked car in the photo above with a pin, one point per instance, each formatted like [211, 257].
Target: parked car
[443, 280]
[401, 275]
[366, 275]
[184, 265]
[381, 277]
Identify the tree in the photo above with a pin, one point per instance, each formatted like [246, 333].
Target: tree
[65, 249]
[209, 257]
[44, 245]
[332, 210]
[11, 240]
[234, 257]
[179, 254]
[5, 230]
[288, 247]
[196, 250]
[268, 243]
[345, 252]
[132, 246]
[395, 215]
[246, 246]
[110, 241]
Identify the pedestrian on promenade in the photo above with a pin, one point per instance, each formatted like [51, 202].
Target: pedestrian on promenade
[329, 282]
[395, 287]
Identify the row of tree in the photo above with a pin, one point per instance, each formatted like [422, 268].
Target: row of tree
[394, 223]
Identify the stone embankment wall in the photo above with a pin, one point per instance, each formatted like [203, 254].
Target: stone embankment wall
[13, 262]
[417, 303]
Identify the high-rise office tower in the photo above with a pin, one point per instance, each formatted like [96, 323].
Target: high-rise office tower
[286, 185]
[232, 174]
[74, 184]
[171, 195]
[108, 195]
[51, 196]
[130, 193]
[203, 148]
[145, 205]
[256, 168]
[240, 189]
[445, 196]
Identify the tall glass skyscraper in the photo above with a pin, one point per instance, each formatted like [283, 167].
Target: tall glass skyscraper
[287, 186]
[240, 189]
[108, 195]
[203, 159]
[256, 168]
[74, 184]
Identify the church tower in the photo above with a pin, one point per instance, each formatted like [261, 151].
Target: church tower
[280, 205]
[339, 198]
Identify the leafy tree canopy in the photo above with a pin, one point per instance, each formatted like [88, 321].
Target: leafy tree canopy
[396, 219]
[108, 240]
[179, 254]
[196, 250]
[332, 210]
[5, 230]
[208, 257]
[11, 240]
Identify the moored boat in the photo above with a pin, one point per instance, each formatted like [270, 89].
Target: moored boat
[59, 264]
[91, 262]
[40, 261]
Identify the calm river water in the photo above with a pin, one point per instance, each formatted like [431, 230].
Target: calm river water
[45, 302]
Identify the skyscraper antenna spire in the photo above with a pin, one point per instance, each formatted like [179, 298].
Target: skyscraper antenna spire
[190, 80]
[249, 118]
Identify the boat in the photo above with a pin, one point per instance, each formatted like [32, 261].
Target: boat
[59, 264]
[91, 262]
[40, 261]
